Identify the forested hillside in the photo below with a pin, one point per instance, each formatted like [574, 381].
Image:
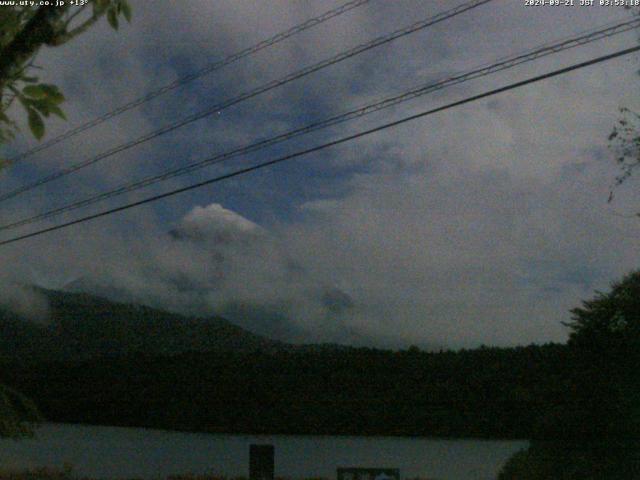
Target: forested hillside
[82, 326]
[488, 392]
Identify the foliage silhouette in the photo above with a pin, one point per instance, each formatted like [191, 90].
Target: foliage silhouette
[596, 433]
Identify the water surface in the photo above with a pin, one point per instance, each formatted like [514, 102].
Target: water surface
[110, 452]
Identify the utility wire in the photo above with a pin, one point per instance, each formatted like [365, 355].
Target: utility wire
[252, 93]
[312, 22]
[504, 64]
[339, 141]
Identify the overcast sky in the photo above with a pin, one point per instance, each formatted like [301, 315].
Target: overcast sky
[483, 224]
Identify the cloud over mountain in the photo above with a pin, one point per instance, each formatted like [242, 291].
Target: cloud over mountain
[216, 261]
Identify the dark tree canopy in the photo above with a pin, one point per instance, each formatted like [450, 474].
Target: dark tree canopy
[595, 433]
[610, 320]
[18, 414]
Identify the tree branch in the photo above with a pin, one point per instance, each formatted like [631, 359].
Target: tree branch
[39, 30]
[65, 36]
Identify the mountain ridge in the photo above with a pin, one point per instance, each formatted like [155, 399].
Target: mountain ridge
[83, 325]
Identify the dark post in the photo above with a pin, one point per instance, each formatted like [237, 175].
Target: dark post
[261, 464]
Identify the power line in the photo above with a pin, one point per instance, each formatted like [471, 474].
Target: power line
[252, 93]
[504, 64]
[317, 148]
[312, 22]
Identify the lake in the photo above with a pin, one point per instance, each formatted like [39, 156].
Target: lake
[109, 452]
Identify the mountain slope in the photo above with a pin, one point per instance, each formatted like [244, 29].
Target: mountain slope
[83, 326]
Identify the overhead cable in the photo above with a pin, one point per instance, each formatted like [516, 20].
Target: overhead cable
[387, 102]
[382, 40]
[310, 23]
[323, 146]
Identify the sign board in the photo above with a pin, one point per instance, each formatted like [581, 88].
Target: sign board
[356, 473]
[261, 462]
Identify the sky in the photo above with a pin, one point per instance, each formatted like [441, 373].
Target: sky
[482, 224]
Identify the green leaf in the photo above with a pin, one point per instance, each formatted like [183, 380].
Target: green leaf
[99, 6]
[54, 96]
[26, 102]
[112, 17]
[43, 92]
[35, 91]
[57, 111]
[36, 124]
[42, 106]
[126, 10]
